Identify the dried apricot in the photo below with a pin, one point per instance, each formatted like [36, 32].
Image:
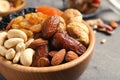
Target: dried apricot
[50, 11]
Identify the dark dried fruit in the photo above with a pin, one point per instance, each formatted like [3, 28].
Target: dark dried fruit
[50, 26]
[42, 51]
[61, 40]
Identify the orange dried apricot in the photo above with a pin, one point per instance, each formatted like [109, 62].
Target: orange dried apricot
[50, 11]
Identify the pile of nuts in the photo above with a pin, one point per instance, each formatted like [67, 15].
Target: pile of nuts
[38, 40]
[99, 25]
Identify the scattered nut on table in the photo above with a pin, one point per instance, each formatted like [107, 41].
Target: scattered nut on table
[103, 41]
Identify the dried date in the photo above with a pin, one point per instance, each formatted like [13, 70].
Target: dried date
[41, 51]
[50, 26]
[61, 40]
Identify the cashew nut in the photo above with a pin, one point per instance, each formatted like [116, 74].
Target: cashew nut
[16, 33]
[27, 57]
[3, 50]
[20, 47]
[3, 36]
[12, 42]
[29, 42]
[10, 54]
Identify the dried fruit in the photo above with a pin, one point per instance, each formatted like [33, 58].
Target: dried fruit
[61, 40]
[58, 57]
[71, 13]
[70, 56]
[113, 24]
[48, 10]
[41, 51]
[50, 26]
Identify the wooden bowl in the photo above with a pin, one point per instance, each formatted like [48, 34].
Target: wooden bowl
[15, 9]
[67, 71]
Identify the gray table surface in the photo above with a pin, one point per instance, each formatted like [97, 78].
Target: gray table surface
[105, 62]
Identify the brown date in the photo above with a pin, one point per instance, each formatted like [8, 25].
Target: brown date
[61, 40]
[41, 51]
[50, 26]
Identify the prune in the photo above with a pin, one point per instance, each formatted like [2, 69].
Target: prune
[62, 40]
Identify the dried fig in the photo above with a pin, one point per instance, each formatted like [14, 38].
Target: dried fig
[61, 40]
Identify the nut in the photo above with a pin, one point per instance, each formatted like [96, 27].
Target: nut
[20, 47]
[3, 50]
[103, 41]
[10, 54]
[58, 57]
[12, 42]
[50, 26]
[113, 24]
[26, 57]
[16, 33]
[27, 44]
[52, 53]
[79, 31]
[3, 36]
[38, 42]
[70, 56]
[80, 25]
[76, 19]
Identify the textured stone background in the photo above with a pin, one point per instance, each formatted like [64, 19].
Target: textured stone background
[105, 62]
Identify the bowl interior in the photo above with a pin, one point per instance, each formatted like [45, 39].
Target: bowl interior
[64, 66]
[15, 9]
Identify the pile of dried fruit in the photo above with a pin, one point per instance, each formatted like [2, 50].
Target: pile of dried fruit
[40, 40]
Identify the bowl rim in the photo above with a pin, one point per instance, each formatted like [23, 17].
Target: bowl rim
[60, 67]
[14, 10]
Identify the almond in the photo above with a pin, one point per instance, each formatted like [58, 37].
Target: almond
[38, 42]
[70, 56]
[52, 53]
[58, 57]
